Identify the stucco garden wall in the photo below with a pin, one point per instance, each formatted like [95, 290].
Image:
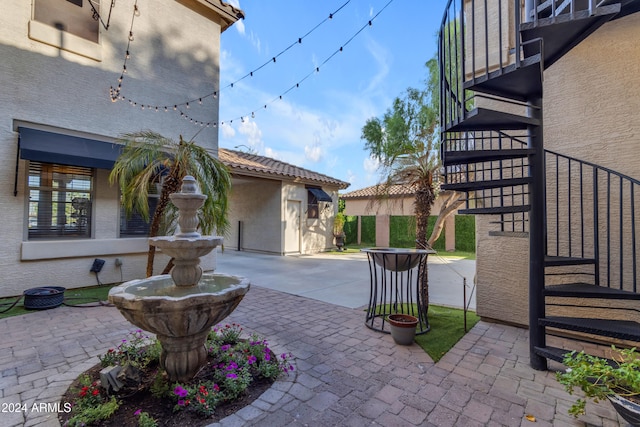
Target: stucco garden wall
[396, 206]
[174, 57]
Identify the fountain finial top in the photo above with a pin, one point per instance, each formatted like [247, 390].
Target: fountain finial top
[189, 185]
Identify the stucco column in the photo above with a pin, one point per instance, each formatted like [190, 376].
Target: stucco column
[382, 230]
[450, 233]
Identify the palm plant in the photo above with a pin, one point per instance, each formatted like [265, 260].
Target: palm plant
[405, 143]
[149, 158]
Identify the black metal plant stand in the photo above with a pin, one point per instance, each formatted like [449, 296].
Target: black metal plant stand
[396, 274]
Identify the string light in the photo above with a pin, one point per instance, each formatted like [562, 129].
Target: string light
[317, 69]
[214, 94]
[116, 94]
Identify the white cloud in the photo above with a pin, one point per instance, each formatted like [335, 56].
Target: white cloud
[270, 152]
[370, 165]
[255, 41]
[383, 58]
[351, 177]
[227, 131]
[253, 133]
[313, 153]
[239, 23]
[240, 26]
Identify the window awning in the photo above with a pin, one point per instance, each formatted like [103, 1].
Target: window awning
[49, 147]
[320, 195]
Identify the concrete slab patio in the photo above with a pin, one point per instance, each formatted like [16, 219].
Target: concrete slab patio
[343, 279]
[346, 374]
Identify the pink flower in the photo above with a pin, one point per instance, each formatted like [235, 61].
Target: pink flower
[138, 412]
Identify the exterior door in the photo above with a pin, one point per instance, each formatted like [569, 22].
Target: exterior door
[292, 229]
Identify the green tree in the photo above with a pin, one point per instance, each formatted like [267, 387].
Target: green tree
[406, 144]
[149, 158]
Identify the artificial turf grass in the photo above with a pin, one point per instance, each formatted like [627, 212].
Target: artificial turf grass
[90, 294]
[446, 327]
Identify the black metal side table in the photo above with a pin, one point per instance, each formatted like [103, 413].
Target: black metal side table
[396, 274]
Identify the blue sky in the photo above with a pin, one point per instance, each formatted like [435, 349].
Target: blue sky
[318, 124]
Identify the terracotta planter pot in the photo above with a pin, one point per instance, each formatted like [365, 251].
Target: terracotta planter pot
[403, 328]
[629, 410]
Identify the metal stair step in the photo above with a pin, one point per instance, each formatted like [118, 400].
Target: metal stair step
[587, 290]
[559, 261]
[477, 156]
[558, 354]
[480, 119]
[553, 353]
[620, 329]
[495, 210]
[512, 82]
[483, 185]
[563, 32]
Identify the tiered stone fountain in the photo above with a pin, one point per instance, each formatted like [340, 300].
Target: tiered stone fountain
[181, 308]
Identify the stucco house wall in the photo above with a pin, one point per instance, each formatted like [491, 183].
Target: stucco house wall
[65, 89]
[255, 203]
[591, 104]
[272, 200]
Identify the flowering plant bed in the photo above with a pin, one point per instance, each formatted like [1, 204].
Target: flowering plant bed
[237, 372]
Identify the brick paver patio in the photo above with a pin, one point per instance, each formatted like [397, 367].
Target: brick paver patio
[346, 374]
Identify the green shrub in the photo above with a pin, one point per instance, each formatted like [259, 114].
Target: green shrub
[465, 233]
[402, 232]
[351, 230]
[368, 235]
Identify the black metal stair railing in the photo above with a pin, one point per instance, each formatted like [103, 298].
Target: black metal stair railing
[492, 167]
[593, 212]
[480, 40]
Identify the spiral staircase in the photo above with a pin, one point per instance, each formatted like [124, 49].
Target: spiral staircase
[580, 218]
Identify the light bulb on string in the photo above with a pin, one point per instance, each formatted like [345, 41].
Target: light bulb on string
[127, 55]
[200, 101]
[130, 36]
[136, 11]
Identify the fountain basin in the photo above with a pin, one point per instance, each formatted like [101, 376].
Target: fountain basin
[186, 253]
[181, 317]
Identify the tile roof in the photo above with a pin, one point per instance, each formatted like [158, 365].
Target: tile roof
[242, 163]
[395, 190]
